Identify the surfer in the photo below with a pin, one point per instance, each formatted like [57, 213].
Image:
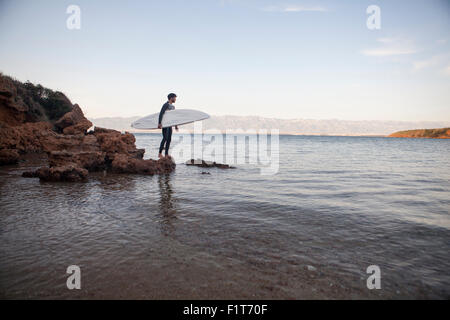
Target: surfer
[167, 131]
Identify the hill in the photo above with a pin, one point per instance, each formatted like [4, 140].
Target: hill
[443, 133]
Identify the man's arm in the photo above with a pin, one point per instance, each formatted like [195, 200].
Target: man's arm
[161, 113]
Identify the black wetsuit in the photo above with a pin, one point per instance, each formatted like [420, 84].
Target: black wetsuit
[166, 132]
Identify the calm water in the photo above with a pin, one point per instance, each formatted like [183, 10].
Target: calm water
[338, 204]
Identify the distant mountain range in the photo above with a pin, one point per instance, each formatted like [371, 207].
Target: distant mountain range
[288, 126]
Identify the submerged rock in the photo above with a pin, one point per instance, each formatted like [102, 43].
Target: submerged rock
[207, 164]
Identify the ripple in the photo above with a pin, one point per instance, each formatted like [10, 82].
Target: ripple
[338, 204]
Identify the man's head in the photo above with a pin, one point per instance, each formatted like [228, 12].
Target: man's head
[172, 97]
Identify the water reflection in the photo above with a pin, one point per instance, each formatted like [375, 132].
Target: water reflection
[167, 209]
[114, 182]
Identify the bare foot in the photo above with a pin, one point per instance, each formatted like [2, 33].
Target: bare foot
[160, 156]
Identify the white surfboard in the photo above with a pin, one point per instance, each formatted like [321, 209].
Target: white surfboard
[170, 118]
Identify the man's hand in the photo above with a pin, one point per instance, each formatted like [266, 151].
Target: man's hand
[176, 128]
[159, 126]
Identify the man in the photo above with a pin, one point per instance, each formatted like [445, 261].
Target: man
[166, 132]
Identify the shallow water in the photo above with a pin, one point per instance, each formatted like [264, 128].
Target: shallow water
[338, 204]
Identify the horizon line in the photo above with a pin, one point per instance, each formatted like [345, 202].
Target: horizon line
[285, 119]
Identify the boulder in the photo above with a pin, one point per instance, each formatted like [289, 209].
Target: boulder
[9, 156]
[113, 142]
[90, 160]
[73, 122]
[68, 172]
[125, 164]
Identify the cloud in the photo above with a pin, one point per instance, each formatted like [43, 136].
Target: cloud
[446, 70]
[386, 40]
[384, 52]
[438, 63]
[427, 63]
[390, 47]
[294, 8]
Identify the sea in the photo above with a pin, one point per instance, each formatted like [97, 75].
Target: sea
[333, 218]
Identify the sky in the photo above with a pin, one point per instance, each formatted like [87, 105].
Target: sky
[282, 59]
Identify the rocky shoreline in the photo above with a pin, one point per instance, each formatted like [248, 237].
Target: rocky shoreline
[34, 119]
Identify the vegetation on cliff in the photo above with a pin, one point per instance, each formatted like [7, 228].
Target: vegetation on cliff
[39, 103]
[443, 133]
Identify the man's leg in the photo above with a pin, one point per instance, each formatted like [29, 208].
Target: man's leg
[168, 140]
[163, 141]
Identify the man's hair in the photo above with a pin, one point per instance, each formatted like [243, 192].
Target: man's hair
[171, 95]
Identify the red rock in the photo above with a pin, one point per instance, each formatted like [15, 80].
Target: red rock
[8, 156]
[12, 111]
[73, 122]
[28, 137]
[126, 164]
[71, 152]
[69, 172]
[90, 160]
[114, 142]
[99, 130]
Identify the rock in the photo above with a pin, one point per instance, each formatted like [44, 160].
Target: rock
[68, 172]
[90, 160]
[113, 142]
[71, 151]
[207, 164]
[26, 102]
[12, 111]
[25, 138]
[9, 156]
[99, 130]
[126, 164]
[73, 122]
[30, 174]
